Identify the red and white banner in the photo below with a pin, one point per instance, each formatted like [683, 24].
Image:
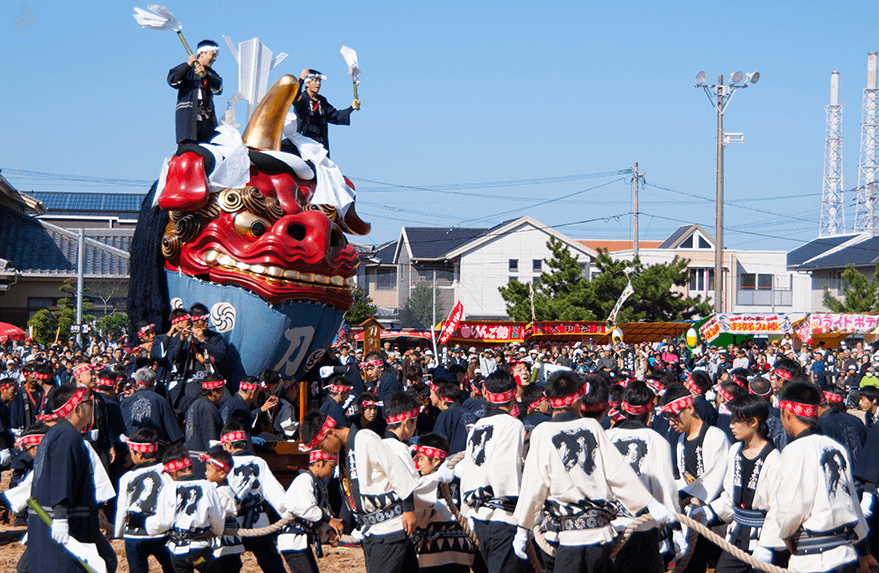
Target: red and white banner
[452, 323]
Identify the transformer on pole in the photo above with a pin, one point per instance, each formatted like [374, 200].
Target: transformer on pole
[868, 167]
[832, 203]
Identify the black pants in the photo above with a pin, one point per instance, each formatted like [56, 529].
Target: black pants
[230, 563]
[705, 553]
[640, 554]
[584, 558]
[301, 561]
[392, 553]
[138, 551]
[201, 560]
[265, 551]
[496, 546]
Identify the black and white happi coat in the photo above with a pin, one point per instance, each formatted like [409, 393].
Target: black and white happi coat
[815, 493]
[375, 483]
[253, 482]
[139, 491]
[191, 512]
[712, 453]
[491, 470]
[758, 485]
[649, 455]
[573, 473]
[306, 499]
[228, 544]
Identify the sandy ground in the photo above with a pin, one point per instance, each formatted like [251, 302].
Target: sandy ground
[336, 560]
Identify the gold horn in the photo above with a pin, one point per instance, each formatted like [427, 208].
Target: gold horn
[266, 126]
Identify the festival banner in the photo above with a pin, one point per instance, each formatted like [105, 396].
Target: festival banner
[387, 334]
[568, 329]
[836, 323]
[750, 323]
[489, 332]
[452, 323]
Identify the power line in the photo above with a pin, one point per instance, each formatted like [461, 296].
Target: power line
[491, 184]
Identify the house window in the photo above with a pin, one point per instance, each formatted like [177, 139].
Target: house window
[514, 265]
[688, 243]
[536, 281]
[513, 280]
[701, 280]
[537, 265]
[703, 244]
[385, 279]
[755, 282]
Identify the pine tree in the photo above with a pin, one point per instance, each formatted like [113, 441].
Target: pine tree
[860, 295]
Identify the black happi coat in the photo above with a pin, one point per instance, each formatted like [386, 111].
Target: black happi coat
[187, 83]
[315, 114]
[63, 485]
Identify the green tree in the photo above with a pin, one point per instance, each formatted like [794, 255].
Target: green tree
[420, 305]
[860, 295]
[363, 306]
[47, 324]
[113, 325]
[564, 293]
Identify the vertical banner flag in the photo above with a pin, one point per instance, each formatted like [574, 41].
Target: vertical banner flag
[627, 292]
[452, 323]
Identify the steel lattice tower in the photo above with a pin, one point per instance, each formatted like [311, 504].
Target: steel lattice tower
[832, 204]
[868, 168]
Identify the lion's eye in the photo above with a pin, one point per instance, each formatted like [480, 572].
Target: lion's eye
[250, 225]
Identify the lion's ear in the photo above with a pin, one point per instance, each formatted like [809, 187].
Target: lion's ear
[266, 126]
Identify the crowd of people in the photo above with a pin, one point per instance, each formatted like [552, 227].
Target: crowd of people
[561, 445]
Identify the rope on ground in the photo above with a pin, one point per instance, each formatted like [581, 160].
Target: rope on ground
[692, 537]
[729, 548]
[627, 533]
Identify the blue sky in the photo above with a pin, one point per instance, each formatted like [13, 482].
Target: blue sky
[458, 94]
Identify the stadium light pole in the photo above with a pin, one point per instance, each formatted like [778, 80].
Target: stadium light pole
[720, 95]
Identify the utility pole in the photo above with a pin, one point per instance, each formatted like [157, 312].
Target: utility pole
[433, 324]
[635, 176]
[80, 244]
[717, 94]
[718, 206]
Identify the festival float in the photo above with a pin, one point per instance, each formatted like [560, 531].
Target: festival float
[253, 226]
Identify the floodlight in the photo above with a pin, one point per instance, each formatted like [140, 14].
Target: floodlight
[736, 77]
[752, 78]
[701, 77]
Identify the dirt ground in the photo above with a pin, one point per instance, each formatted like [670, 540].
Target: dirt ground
[336, 560]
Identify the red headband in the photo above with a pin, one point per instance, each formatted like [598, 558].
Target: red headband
[216, 463]
[831, 397]
[176, 465]
[146, 329]
[637, 410]
[363, 365]
[329, 424]
[501, 398]
[435, 389]
[30, 440]
[597, 407]
[200, 317]
[431, 452]
[370, 404]
[768, 392]
[796, 409]
[563, 401]
[724, 394]
[233, 437]
[692, 386]
[212, 384]
[42, 376]
[677, 406]
[316, 455]
[337, 388]
[249, 385]
[68, 407]
[403, 416]
[180, 319]
[106, 381]
[143, 448]
[783, 374]
[8, 383]
[535, 404]
[82, 368]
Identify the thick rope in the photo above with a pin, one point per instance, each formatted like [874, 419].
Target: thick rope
[627, 533]
[729, 548]
[260, 531]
